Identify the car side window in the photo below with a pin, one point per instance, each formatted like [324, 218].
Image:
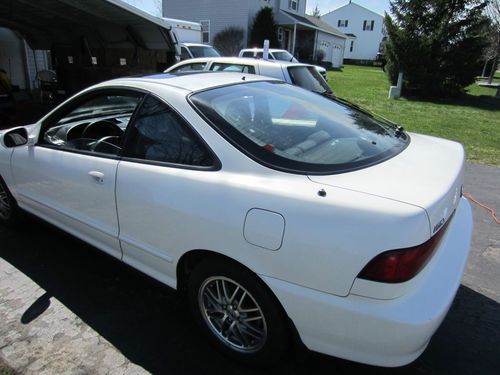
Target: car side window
[184, 53]
[95, 124]
[247, 54]
[159, 134]
[194, 67]
[225, 67]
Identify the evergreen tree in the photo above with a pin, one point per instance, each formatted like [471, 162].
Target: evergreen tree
[437, 44]
[264, 27]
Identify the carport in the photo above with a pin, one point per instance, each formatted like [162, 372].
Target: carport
[92, 40]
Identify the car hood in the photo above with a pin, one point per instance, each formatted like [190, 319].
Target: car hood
[427, 174]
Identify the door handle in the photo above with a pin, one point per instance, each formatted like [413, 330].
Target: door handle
[99, 176]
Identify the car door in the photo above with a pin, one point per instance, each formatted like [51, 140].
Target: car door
[165, 169]
[68, 177]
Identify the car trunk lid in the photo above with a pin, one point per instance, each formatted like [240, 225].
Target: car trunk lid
[427, 174]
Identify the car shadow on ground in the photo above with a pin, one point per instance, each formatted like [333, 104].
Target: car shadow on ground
[485, 102]
[150, 325]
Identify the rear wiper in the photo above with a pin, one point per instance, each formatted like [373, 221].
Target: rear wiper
[399, 128]
[352, 105]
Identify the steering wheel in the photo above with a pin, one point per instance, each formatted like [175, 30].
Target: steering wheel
[101, 128]
[107, 144]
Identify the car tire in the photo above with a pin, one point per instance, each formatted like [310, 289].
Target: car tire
[238, 313]
[9, 211]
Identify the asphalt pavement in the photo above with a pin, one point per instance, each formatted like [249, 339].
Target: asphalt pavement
[66, 308]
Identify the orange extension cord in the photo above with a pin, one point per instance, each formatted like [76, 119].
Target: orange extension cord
[489, 209]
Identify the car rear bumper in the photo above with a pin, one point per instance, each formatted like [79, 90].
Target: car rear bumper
[390, 332]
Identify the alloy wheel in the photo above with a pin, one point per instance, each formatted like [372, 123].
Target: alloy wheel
[232, 314]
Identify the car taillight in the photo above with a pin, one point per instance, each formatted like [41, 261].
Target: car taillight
[397, 266]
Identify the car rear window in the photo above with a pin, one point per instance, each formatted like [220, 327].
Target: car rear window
[309, 78]
[288, 128]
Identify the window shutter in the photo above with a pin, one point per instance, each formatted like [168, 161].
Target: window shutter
[373, 24]
[338, 24]
[346, 23]
[364, 25]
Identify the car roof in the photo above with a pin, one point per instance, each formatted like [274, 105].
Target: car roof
[190, 82]
[262, 49]
[239, 60]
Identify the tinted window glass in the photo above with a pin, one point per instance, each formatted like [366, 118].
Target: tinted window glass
[184, 54]
[309, 78]
[284, 56]
[219, 67]
[195, 67]
[93, 125]
[298, 130]
[160, 134]
[207, 51]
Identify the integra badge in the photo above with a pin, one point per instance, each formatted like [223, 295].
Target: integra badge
[438, 225]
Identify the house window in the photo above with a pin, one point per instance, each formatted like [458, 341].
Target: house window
[280, 34]
[342, 23]
[352, 46]
[205, 31]
[368, 25]
[293, 4]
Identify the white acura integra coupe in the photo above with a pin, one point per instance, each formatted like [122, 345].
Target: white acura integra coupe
[281, 214]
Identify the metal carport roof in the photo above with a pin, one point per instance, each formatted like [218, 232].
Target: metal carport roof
[99, 23]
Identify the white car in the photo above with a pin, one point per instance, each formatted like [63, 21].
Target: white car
[193, 50]
[277, 54]
[295, 73]
[281, 214]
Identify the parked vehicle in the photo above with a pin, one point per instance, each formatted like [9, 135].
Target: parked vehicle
[185, 31]
[275, 210]
[303, 75]
[276, 54]
[194, 50]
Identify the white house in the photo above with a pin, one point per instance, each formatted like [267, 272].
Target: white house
[364, 28]
[300, 34]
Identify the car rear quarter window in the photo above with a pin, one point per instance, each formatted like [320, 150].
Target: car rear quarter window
[159, 134]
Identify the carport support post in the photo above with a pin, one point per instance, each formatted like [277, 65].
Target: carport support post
[293, 39]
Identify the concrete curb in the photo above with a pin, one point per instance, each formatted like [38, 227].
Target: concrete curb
[39, 335]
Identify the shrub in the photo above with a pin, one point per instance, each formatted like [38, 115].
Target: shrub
[264, 27]
[229, 41]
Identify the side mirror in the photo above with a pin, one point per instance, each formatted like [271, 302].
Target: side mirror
[16, 137]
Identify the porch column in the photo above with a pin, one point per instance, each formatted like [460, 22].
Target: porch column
[315, 44]
[293, 38]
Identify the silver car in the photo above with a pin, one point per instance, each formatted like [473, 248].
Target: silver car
[295, 73]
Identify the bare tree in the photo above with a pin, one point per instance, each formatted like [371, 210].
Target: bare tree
[229, 41]
[316, 12]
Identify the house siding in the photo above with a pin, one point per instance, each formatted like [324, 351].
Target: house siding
[366, 43]
[301, 10]
[221, 13]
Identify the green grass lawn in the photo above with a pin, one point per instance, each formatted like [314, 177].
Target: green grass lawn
[473, 120]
